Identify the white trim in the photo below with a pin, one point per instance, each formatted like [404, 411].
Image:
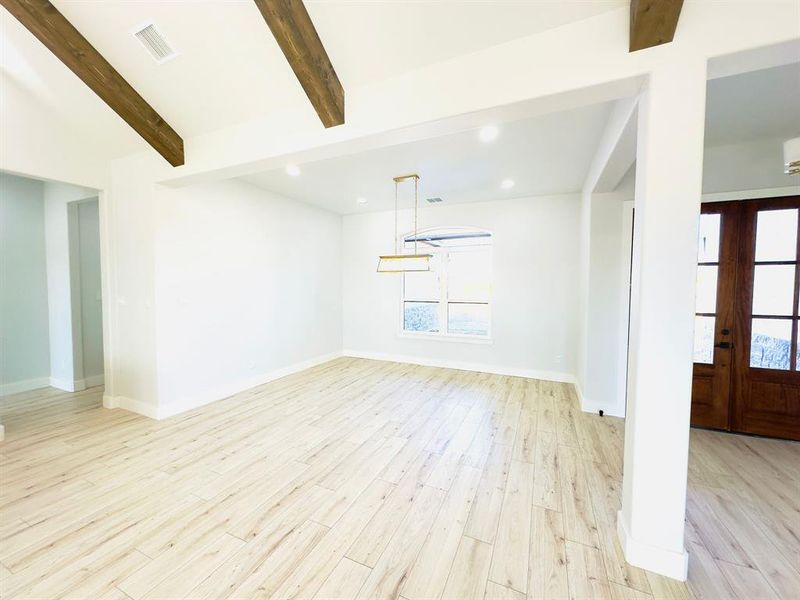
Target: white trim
[792, 190]
[107, 287]
[464, 366]
[652, 558]
[588, 406]
[185, 404]
[446, 337]
[129, 404]
[16, 387]
[625, 307]
[196, 401]
[76, 385]
[2, 432]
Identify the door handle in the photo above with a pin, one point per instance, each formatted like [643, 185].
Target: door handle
[723, 345]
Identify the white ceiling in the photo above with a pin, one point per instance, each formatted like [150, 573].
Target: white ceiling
[755, 105]
[544, 155]
[230, 69]
[548, 154]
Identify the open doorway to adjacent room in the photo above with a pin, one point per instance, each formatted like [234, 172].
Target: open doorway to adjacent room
[50, 296]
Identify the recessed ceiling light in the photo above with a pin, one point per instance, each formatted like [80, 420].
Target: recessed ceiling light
[488, 133]
[507, 184]
[361, 201]
[292, 170]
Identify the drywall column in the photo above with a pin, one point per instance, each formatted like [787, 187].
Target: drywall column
[667, 200]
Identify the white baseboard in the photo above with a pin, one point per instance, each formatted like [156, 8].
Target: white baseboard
[94, 381]
[465, 366]
[186, 404]
[68, 385]
[588, 406]
[129, 404]
[669, 563]
[26, 385]
[16, 387]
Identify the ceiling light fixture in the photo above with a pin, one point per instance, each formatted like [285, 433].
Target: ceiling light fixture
[402, 263]
[292, 170]
[507, 184]
[361, 201]
[488, 133]
[791, 156]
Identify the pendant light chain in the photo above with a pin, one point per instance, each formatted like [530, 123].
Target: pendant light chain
[400, 262]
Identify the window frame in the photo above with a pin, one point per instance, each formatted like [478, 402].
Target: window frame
[443, 254]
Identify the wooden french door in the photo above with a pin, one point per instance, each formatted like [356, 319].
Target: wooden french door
[746, 371]
[713, 323]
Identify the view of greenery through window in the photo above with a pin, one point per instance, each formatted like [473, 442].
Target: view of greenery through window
[453, 297]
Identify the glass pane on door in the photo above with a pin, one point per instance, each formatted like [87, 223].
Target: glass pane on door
[708, 243]
[704, 340]
[706, 296]
[773, 290]
[771, 343]
[776, 235]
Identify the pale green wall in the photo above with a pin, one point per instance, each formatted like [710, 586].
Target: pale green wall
[24, 347]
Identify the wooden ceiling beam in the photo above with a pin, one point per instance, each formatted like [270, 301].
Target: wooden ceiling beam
[51, 28]
[653, 22]
[295, 33]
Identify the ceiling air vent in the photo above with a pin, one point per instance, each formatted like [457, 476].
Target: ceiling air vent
[434, 200]
[154, 41]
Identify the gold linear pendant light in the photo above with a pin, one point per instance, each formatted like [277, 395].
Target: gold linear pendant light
[403, 263]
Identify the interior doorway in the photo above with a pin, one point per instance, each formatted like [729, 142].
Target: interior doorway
[84, 217]
[746, 363]
[51, 313]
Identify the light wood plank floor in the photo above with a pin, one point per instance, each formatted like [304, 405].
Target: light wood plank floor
[364, 479]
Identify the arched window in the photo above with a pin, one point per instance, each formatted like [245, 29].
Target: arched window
[453, 299]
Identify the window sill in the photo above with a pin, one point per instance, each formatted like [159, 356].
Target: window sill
[437, 337]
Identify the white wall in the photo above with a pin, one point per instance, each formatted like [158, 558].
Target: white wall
[248, 286]
[600, 386]
[534, 305]
[24, 350]
[66, 357]
[35, 143]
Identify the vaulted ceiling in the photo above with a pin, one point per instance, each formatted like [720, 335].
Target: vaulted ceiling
[230, 70]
